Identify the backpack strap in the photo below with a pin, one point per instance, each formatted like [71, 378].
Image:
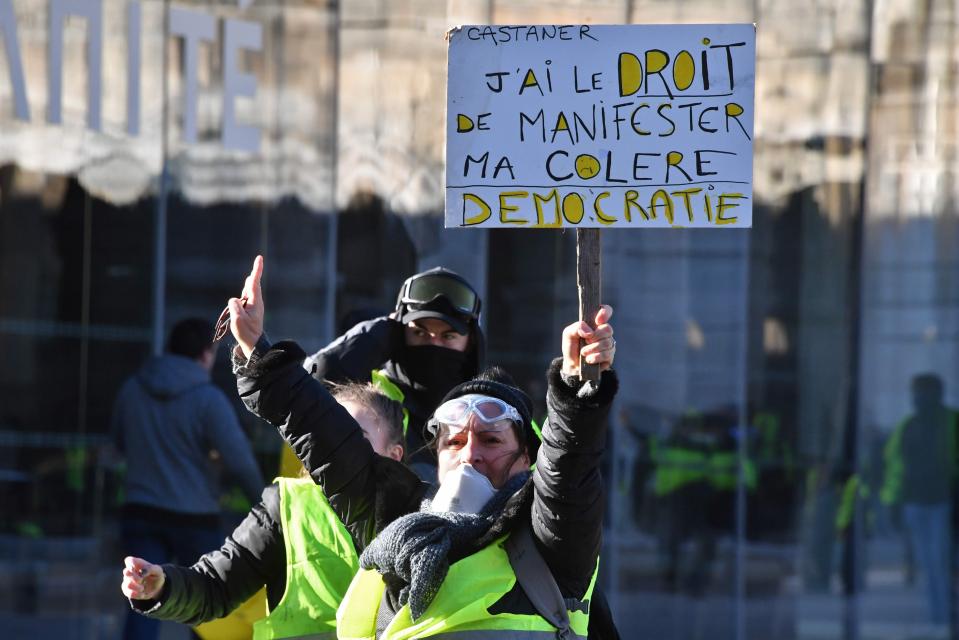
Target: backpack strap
[537, 581]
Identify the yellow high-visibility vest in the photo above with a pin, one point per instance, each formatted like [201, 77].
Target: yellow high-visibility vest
[460, 608]
[320, 563]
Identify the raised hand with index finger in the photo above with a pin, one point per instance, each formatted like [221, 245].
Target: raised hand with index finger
[246, 312]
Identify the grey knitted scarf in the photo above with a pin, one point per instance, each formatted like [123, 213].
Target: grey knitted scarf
[414, 550]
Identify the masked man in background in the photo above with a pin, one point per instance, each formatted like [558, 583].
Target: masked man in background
[429, 344]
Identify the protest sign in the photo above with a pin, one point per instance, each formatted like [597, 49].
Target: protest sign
[629, 126]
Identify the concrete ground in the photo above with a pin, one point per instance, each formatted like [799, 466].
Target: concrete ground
[69, 590]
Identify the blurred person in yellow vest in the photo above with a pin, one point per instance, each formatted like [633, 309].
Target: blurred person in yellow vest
[920, 478]
[695, 481]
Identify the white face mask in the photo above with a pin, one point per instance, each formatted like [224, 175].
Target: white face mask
[464, 490]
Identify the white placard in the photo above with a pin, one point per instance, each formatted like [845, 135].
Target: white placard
[628, 126]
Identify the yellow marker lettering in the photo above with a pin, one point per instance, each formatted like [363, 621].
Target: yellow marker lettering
[561, 123]
[684, 70]
[630, 202]
[602, 217]
[539, 201]
[685, 194]
[673, 158]
[573, 208]
[506, 208]
[656, 61]
[664, 201]
[630, 74]
[634, 120]
[463, 123]
[733, 111]
[529, 81]
[587, 166]
[484, 210]
[723, 206]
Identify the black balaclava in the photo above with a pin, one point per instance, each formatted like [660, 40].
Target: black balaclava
[432, 370]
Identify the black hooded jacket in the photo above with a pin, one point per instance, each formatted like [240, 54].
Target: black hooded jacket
[379, 344]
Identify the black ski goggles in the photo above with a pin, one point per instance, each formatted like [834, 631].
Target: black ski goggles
[423, 288]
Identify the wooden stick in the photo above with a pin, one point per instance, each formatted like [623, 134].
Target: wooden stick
[589, 283]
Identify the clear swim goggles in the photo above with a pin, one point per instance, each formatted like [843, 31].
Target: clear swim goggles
[455, 413]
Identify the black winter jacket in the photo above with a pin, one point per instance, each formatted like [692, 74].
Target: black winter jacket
[220, 581]
[564, 501]
[380, 344]
[366, 491]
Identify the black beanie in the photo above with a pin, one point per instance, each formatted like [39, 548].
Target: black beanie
[497, 383]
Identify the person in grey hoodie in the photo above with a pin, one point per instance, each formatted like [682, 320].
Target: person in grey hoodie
[167, 419]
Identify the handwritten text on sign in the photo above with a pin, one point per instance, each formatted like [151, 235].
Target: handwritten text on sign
[600, 126]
